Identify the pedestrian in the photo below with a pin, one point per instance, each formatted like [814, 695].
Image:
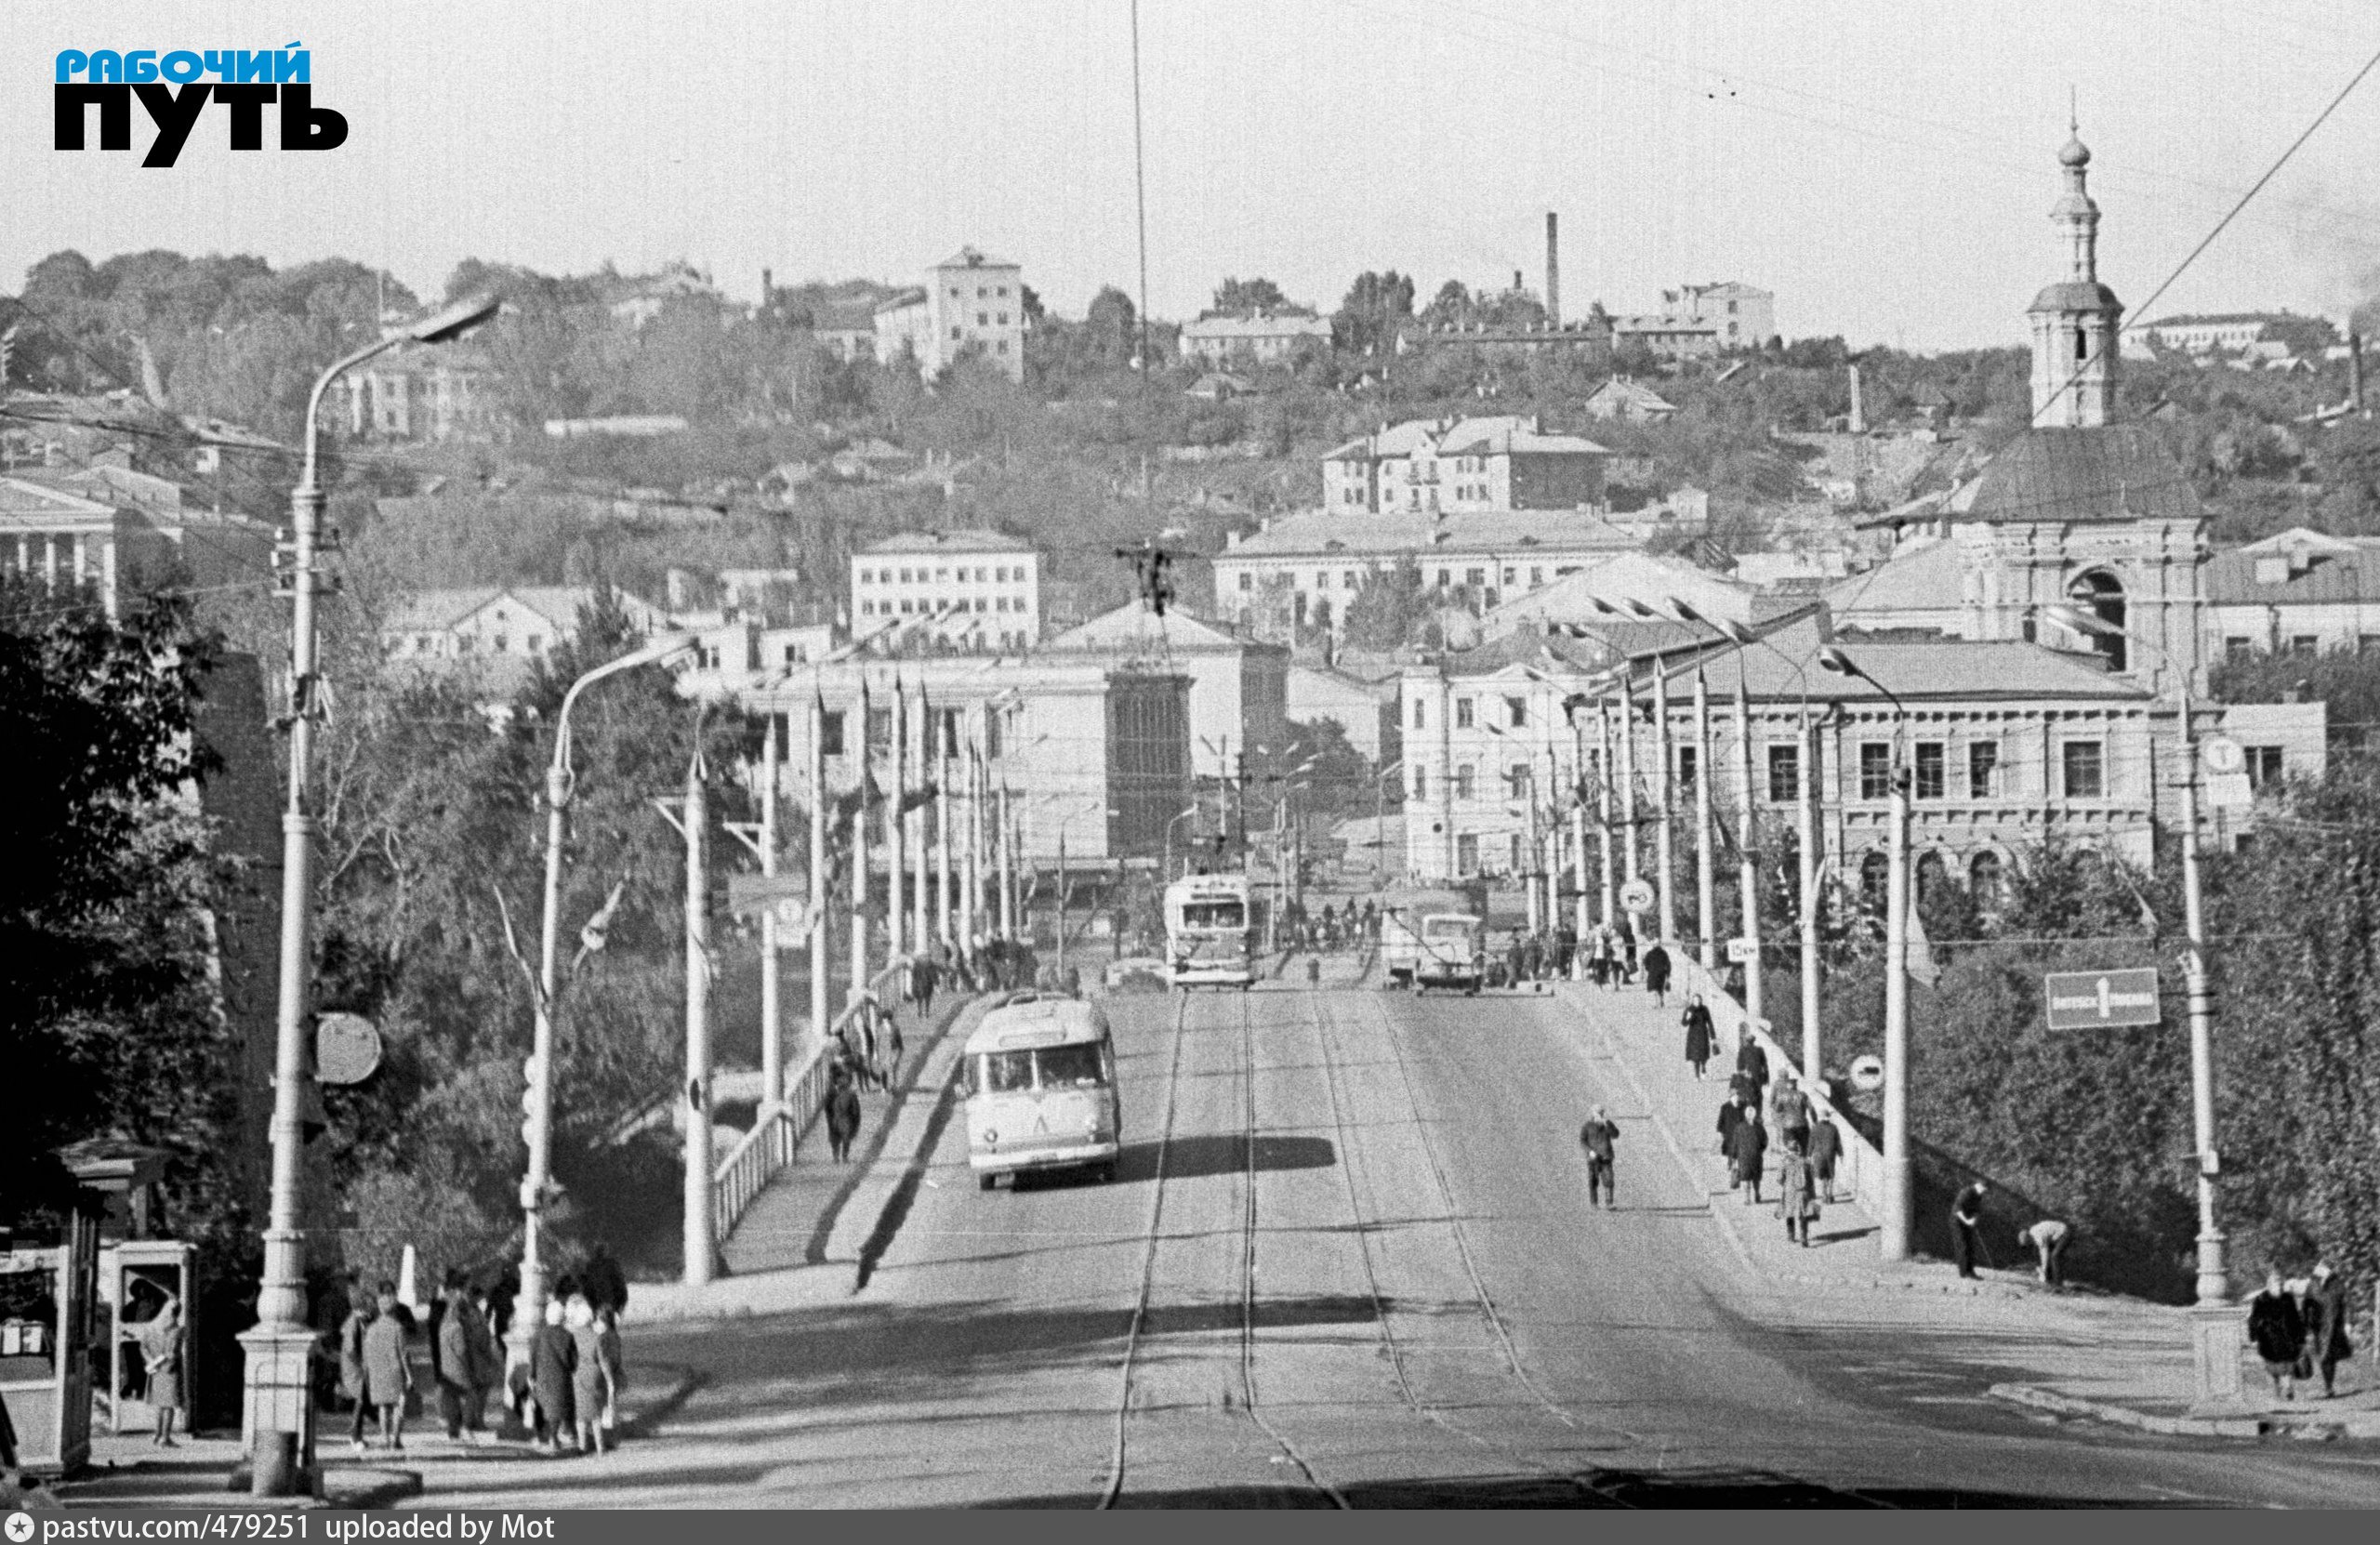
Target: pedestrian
[460, 1404]
[1797, 1203]
[1656, 974]
[1599, 957]
[1515, 960]
[2047, 1240]
[1741, 1087]
[361, 1312]
[1966, 1217]
[600, 1278]
[843, 1115]
[1748, 1146]
[1596, 1137]
[1731, 1115]
[1752, 1063]
[1791, 1111]
[921, 984]
[1628, 953]
[388, 1370]
[1313, 972]
[616, 1373]
[2278, 1332]
[161, 1354]
[588, 1389]
[895, 1048]
[553, 1358]
[1566, 951]
[1826, 1146]
[2326, 1328]
[1698, 1034]
[1533, 960]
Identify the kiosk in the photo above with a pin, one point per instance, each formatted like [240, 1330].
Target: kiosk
[49, 1302]
[136, 1279]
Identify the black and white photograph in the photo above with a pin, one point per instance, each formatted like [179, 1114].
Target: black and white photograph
[1184, 754]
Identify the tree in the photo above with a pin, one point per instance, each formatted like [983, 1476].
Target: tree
[1376, 305]
[1247, 296]
[1390, 610]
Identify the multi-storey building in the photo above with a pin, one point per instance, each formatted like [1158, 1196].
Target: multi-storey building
[502, 633]
[1457, 466]
[1259, 339]
[1306, 570]
[1237, 685]
[968, 300]
[116, 532]
[422, 396]
[1744, 316]
[2297, 593]
[982, 588]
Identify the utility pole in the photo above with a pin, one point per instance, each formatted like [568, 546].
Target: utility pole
[970, 886]
[1008, 868]
[1747, 872]
[2215, 1324]
[817, 870]
[859, 863]
[1627, 781]
[1663, 803]
[1582, 917]
[1603, 796]
[700, 1248]
[895, 856]
[1240, 809]
[920, 929]
[772, 1008]
[1706, 912]
[1535, 854]
[1812, 791]
[1061, 901]
[946, 899]
[1893, 1238]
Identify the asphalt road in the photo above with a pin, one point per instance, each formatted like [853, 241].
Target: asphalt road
[1347, 1261]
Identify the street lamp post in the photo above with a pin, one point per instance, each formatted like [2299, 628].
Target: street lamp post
[278, 1406]
[1168, 839]
[1893, 1236]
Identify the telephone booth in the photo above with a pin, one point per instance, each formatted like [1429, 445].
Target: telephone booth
[137, 1277]
[49, 1302]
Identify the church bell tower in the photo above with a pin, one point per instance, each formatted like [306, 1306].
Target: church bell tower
[2074, 320]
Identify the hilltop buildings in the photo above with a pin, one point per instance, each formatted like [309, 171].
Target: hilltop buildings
[982, 587]
[1453, 466]
[967, 301]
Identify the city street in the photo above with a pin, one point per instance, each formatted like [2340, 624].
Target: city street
[1348, 1260]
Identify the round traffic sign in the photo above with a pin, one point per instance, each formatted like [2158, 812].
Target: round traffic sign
[1868, 1073]
[1637, 895]
[2223, 754]
[347, 1049]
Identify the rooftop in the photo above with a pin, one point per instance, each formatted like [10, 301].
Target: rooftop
[1493, 434]
[2113, 472]
[948, 541]
[1258, 326]
[1387, 535]
[1134, 627]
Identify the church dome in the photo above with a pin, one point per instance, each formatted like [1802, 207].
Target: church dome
[2074, 152]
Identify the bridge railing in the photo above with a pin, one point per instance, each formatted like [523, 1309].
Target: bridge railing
[763, 1153]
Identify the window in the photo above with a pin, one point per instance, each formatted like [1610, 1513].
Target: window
[1463, 714]
[982, 605]
[1983, 769]
[1689, 765]
[830, 733]
[2239, 649]
[2086, 772]
[1875, 770]
[1466, 854]
[2264, 768]
[1347, 580]
[983, 319]
[1420, 713]
[1003, 319]
[1784, 773]
[954, 333]
[905, 577]
[1933, 777]
[1517, 780]
[1475, 576]
[1465, 783]
[1519, 862]
[1518, 708]
[2304, 643]
[793, 655]
[1000, 604]
[1000, 347]
[1445, 578]
[868, 608]
[1512, 575]
[534, 643]
[1537, 577]
[1421, 783]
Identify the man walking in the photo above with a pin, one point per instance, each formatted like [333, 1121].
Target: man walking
[1598, 1137]
[1657, 974]
[2326, 1326]
[1826, 1146]
[2047, 1241]
[1966, 1218]
[1748, 1146]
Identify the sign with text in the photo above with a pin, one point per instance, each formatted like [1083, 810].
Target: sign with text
[1742, 951]
[2094, 1000]
[1637, 895]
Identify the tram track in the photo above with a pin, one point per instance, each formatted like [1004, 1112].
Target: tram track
[1250, 1404]
[1343, 1129]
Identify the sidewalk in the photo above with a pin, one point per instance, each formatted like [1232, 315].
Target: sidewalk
[2076, 1353]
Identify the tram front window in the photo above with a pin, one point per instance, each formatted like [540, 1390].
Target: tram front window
[1216, 914]
[1076, 1066]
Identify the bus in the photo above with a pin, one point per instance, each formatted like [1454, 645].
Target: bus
[1210, 932]
[1432, 938]
[1040, 1083]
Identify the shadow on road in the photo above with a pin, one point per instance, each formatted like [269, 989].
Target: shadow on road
[1224, 1154]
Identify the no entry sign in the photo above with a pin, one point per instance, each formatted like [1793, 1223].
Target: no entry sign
[2095, 1001]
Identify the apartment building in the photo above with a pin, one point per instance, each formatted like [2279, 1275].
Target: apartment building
[1463, 465]
[982, 588]
[967, 300]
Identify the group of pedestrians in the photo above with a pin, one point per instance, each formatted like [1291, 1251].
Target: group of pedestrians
[1333, 928]
[2298, 1327]
[1808, 1145]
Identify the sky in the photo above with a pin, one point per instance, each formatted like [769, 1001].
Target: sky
[1887, 169]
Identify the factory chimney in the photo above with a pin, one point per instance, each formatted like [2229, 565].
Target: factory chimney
[1553, 273]
[1858, 424]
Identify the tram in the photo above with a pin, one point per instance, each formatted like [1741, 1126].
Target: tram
[1210, 930]
[1041, 1082]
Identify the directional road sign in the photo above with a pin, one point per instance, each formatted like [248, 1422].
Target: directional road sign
[749, 895]
[1740, 951]
[1868, 1073]
[2095, 1001]
[347, 1049]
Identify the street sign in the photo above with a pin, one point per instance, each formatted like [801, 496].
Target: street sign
[749, 895]
[2093, 1001]
[347, 1049]
[1637, 895]
[2229, 790]
[1868, 1073]
[1741, 952]
[2222, 754]
[793, 920]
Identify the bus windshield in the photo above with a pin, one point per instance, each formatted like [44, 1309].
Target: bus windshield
[1447, 928]
[1004, 1071]
[1076, 1066]
[1226, 914]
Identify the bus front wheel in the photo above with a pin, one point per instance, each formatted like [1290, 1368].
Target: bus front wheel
[989, 1182]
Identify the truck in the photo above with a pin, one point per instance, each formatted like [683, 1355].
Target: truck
[1432, 940]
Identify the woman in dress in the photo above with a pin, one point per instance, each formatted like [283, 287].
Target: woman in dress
[160, 1351]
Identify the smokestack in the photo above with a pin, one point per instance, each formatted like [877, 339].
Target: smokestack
[2355, 371]
[1516, 281]
[1553, 273]
[1858, 416]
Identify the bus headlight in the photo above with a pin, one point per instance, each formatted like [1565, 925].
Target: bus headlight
[991, 1136]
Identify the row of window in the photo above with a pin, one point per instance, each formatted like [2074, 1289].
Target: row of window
[497, 643]
[2304, 645]
[927, 608]
[983, 292]
[1000, 346]
[998, 574]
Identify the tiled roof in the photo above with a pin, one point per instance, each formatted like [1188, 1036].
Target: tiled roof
[2076, 295]
[1635, 394]
[1132, 625]
[2113, 472]
[2328, 574]
[1256, 327]
[1384, 536]
[1924, 576]
[969, 257]
[1955, 669]
[1493, 432]
[948, 541]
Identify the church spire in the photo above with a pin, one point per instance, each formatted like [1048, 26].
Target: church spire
[2074, 320]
